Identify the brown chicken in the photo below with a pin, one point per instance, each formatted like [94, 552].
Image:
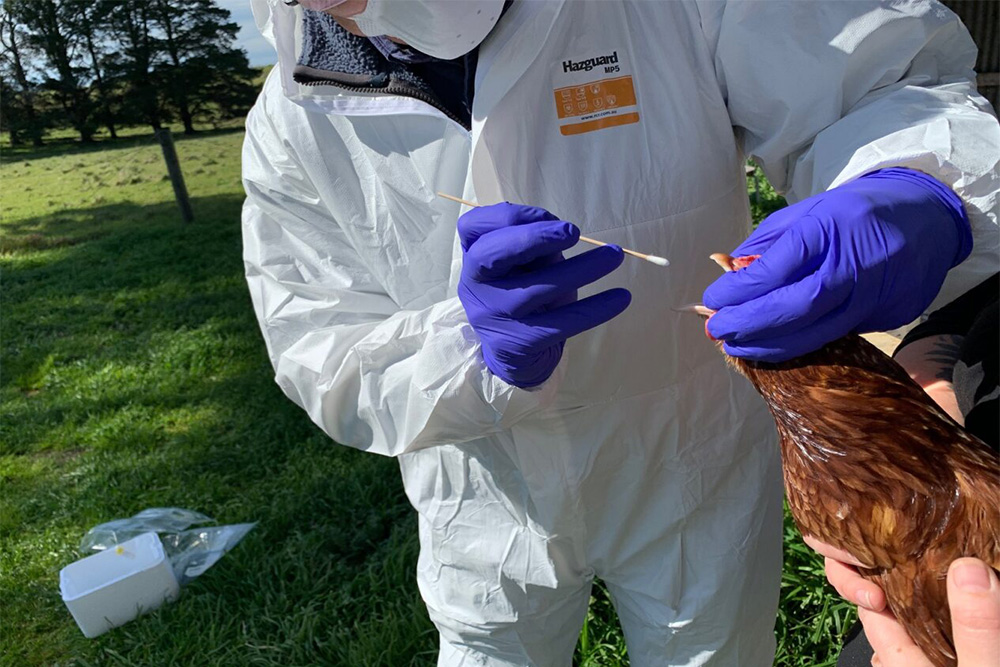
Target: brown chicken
[874, 467]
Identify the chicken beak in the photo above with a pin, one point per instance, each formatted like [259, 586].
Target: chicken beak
[695, 309]
[727, 263]
[699, 310]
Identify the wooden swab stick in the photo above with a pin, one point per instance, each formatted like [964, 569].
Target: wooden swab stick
[655, 259]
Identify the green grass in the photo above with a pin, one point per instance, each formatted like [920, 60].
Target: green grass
[133, 375]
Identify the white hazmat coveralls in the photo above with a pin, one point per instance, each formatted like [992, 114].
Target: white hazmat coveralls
[643, 460]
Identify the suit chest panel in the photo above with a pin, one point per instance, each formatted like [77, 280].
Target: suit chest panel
[617, 121]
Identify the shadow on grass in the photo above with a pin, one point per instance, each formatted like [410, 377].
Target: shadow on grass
[116, 281]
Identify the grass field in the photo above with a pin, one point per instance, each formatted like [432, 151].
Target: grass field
[133, 376]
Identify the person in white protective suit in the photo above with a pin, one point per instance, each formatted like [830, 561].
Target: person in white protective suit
[641, 459]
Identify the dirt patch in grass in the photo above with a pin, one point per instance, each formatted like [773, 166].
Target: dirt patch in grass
[58, 456]
[10, 245]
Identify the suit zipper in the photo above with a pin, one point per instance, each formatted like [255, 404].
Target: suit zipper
[401, 91]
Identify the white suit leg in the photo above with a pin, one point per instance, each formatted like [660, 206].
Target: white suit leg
[706, 594]
[548, 640]
[502, 588]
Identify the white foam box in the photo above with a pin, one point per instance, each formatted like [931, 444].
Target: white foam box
[118, 584]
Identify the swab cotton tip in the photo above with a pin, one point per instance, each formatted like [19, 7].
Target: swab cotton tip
[659, 261]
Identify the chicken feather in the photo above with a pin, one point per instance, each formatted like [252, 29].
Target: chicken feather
[873, 466]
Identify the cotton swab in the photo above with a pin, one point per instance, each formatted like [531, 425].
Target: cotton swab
[654, 259]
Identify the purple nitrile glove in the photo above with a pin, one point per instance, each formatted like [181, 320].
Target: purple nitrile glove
[520, 293]
[869, 255]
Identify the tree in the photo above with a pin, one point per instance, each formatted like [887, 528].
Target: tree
[18, 111]
[50, 30]
[204, 73]
[114, 62]
[131, 26]
[90, 23]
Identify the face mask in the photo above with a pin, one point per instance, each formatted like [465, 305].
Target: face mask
[444, 29]
[320, 5]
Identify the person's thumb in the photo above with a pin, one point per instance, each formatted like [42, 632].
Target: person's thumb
[974, 599]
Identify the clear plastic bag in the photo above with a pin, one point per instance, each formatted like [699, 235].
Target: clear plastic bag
[191, 550]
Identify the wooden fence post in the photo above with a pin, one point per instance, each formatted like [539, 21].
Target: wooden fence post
[174, 170]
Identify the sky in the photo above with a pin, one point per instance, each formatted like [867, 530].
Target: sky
[259, 51]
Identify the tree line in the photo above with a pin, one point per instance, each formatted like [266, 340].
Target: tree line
[87, 64]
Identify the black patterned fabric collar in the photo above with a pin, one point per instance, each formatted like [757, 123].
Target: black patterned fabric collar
[333, 56]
